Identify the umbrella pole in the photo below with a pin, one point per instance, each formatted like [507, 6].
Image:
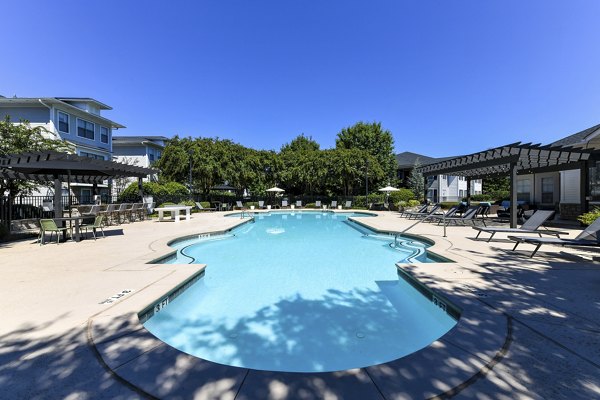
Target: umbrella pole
[69, 190]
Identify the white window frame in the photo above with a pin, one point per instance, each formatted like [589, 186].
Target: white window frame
[89, 122]
[107, 134]
[58, 121]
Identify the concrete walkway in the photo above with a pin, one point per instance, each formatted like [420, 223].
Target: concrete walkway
[531, 329]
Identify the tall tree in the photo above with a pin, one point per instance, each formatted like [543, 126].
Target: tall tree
[416, 181]
[376, 141]
[22, 137]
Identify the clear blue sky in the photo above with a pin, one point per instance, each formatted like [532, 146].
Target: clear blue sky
[445, 77]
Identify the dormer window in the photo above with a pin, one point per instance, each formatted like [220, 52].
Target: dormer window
[85, 129]
[104, 134]
[63, 122]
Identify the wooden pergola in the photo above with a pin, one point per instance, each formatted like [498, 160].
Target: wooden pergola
[52, 166]
[512, 160]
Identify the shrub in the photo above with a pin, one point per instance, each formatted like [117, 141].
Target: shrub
[589, 217]
[401, 195]
[413, 203]
[447, 204]
[359, 201]
[310, 205]
[482, 197]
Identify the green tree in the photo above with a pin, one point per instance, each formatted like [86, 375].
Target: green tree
[20, 138]
[376, 141]
[416, 181]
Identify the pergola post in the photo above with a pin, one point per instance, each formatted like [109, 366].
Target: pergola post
[424, 188]
[468, 191]
[57, 198]
[584, 186]
[513, 195]
[141, 188]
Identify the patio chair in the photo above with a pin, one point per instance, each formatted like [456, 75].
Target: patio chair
[199, 207]
[111, 212]
[589, 237]
[261, 204]
[239, 204]
[48, 225]
[96, 225]
[299, 203]
[468, 216]
[318, 204]
[348, 204]
[532, 225]
[284, 204]
[333, 204]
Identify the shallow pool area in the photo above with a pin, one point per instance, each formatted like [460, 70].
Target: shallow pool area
[302, 292]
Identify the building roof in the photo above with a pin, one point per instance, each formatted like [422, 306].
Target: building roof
[579, 139]
[63, 103]
[136, 140]
[408, 159]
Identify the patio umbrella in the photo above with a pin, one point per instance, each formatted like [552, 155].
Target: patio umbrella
[275, 189]
[387, 191]
[223, 187]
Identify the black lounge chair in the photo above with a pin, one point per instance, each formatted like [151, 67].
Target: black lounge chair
[589, 237]
[468, 216]
[450, 213]
[422, 209]
[532, 225]
[426, 213]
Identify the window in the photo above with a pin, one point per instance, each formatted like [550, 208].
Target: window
[103, 134]
[85, 129]
[91, 155]
[63, 122]
[547, 190]
[523, 190]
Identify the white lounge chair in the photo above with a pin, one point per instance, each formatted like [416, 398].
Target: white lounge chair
[284, 204]
[348, 204]
[333, 204]
[318, 204]
[299, 203]
[261, 204]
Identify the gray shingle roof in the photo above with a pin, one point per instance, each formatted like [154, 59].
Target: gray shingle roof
[407, 159]
[579, 138]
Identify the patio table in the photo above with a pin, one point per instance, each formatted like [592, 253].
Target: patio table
[174, 210]
[74, 221]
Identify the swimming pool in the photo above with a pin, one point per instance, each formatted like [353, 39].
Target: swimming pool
[300, 292]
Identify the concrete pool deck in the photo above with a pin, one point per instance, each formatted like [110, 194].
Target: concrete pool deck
[530, 327]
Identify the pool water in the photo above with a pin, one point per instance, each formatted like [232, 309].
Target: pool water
[301, 292]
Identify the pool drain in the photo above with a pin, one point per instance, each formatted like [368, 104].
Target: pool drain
[360, 335]
[233, 335]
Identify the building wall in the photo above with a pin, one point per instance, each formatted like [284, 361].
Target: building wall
[35, 115]
[72, 135]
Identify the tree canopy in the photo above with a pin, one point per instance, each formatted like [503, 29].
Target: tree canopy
[22, 137]
[300, 167]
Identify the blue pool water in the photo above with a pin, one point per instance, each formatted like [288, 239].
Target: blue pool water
[303, 292]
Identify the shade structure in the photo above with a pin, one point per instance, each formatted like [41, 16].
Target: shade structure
[389, 189]
[275, 189]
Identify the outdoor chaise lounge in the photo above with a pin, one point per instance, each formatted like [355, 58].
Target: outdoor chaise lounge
[261, 204]
[239, 204]
[421, 214]
[333, 204]
[284, 204]
[467, 217]
[199, 206]
[348, 204]
[532, 225]
[440, 218]
[299, 203]
[590, 236]
[422, 209]
[318, 204]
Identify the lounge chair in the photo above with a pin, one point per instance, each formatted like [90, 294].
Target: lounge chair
[318, 204]
[261, 204]
[239, 204]
[532, 225]
[48, 225]
[590, 236]
[420, 210]
[333, 204]
[421, 214]
[284, 204]
[468, 216]
[298, 203]
[440, 218]
[199, 206]
[348, 204]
